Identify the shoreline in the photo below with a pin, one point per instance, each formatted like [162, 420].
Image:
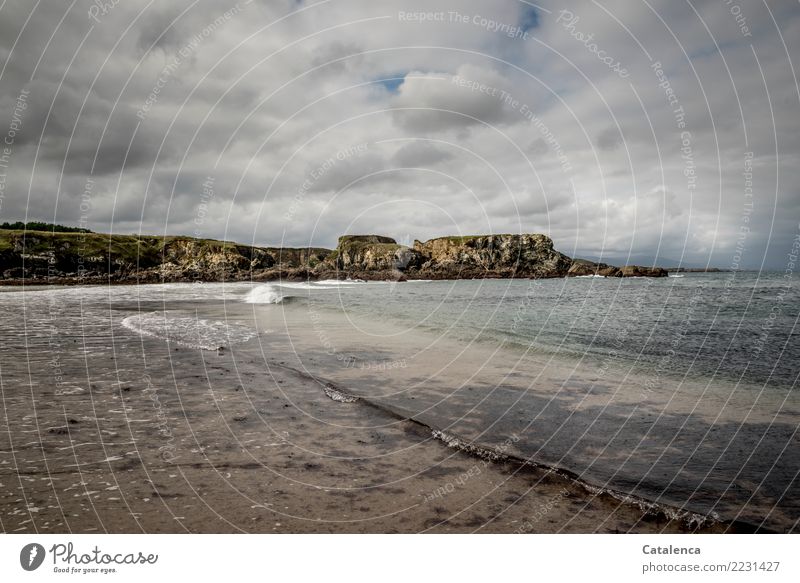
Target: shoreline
[242, 439]
[158, 445]
[390, 277]
[652, 511]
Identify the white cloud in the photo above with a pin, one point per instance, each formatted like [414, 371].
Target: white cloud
[274, 91]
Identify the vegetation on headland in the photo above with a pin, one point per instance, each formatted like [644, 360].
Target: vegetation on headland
[41, 226]
[51, 256]
[85, 257]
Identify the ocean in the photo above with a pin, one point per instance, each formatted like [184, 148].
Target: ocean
[675, 394]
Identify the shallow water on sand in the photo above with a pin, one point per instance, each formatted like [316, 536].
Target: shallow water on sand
[664, 390]
[714, 450]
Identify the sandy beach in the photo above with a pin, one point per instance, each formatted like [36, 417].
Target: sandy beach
[105, 430]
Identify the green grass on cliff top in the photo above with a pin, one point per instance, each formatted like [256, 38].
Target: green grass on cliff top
[463, 238]
[129, 247]
[351, 245]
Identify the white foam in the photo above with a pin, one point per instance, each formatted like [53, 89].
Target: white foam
[341, 281]
[190, 332]
[591, 276]
[263, 294]
[337, 395]
[303, 285]
[673, 275]
[457, 443]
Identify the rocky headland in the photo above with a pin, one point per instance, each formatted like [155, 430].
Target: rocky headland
[45, 257]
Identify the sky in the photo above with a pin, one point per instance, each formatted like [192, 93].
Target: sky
[652, 130]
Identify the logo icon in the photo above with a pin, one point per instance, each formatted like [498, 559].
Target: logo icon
[31, 556]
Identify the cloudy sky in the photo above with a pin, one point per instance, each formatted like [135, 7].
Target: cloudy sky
[667, 128]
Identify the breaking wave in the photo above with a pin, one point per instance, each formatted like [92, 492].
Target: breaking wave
[187, 331]
[338, 282]
[263, 294]
[305, 285]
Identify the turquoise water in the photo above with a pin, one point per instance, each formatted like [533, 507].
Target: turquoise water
[678, 391]
[741, 327]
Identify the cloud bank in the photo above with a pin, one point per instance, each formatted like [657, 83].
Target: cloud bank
[652, 129]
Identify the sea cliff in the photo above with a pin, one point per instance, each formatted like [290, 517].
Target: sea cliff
[42, 257]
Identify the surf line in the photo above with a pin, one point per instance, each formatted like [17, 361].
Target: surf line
[690, 519]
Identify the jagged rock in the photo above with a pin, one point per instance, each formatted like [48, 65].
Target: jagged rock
[582, 267]
[373, 253]
[608, 271]
[64, 258]
[639, 271]
[523, 255]
[96, 258]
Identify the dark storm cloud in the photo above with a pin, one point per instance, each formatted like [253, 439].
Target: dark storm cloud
[609, 139]
[504, 132]
[420, 153]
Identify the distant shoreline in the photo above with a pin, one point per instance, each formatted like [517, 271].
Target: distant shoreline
[85, 258]
[95, 282]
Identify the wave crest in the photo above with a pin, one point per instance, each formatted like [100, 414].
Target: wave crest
[189, 332]
[263, 294]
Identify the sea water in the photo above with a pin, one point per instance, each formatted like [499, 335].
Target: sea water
[677, 391]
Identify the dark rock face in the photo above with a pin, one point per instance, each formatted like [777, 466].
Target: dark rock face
[639, 271]
[581, 267]
[491, 256]
[63, 258]
[360, 253]
[483, 256]
[370, 239]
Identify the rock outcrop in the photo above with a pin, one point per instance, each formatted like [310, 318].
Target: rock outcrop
[482, 256]
[47, 257]
[582, 267]
[66, 257]
[373, 253]
[640, 271]
[491, 256]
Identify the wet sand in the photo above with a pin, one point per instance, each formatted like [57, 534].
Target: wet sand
[142, 436]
